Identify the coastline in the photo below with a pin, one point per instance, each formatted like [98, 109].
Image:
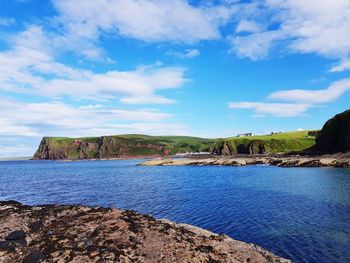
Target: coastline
[337, 161]
[89, 234]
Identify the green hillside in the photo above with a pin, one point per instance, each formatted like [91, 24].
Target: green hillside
[273, 143]
[133, 145]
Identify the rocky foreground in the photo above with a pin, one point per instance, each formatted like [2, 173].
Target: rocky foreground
[340, 161]
[63, 233]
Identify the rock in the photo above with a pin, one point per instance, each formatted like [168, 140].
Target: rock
[341, 161]
[34, 257]
[16, 235]
[35, 226]
[85, 234]
[5, 245]
[335, 135]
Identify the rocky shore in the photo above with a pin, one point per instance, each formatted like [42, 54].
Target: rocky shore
[64, 233]
[340, 161]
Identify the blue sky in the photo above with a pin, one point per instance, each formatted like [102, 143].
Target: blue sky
[201, 68]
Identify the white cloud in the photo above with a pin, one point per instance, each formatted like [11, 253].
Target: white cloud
[162, 20]
[273, 109]
[291, 103]
[249, 27]
[333, 92]
[30, 67]
[313, 26]
[191, 53]
[57, 118]
[342, 66]
[187, 54]
[255, 46]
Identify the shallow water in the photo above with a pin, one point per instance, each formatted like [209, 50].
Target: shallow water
[299, 213]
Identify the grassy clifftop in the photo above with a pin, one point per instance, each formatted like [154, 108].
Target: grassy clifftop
[273, 143]
[131, 145]
[137, 145]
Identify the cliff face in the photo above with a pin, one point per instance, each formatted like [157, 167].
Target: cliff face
[50, 149]
[246, 147]
[335, 135]
[103, 147]
[266, 146]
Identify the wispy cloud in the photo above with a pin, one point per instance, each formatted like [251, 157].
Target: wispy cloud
[292, 103]
[333, 92]
[342, 66]
[58, 118]
[7, 21]
[262, 109]
[248, 26]
[187, 54]
[297, 26]
[30, 67]
[170, 20]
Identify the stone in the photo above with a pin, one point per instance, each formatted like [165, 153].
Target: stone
[16, 235]
[83, 234]
[34, 257]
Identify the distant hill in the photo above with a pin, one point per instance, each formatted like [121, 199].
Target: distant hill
[136, 145]
[335, 135]
[274, 143]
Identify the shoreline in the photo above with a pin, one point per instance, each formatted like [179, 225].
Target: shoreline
[339, 160]
[90, 234]
[336, 161]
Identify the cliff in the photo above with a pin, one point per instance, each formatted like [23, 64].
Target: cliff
[126, 146]
[63, 233]
[335, 135]
[120, 146]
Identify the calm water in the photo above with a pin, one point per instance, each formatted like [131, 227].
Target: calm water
[299, 213]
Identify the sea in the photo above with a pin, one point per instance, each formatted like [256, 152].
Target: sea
[299, 213]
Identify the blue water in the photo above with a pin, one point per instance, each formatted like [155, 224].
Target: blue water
[299, 213]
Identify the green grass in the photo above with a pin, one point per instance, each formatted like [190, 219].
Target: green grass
[277, 143]
[278, 136]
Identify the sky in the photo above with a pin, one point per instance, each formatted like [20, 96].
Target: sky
[208, 68]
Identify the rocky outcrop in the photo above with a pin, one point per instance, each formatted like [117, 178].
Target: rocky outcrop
[281, 161]
[244, 147]
[105, 147]
[50, 149]
[335, 135]
[62, 233]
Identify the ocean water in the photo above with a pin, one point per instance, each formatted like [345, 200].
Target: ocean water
[299, 213]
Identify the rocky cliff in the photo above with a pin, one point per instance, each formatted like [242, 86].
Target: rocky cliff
[335, 135]
[126, 146]
[62, 233]
[103, 147]
[122, 146]
[281, 143]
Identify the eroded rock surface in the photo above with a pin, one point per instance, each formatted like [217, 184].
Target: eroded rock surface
[62, 233]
